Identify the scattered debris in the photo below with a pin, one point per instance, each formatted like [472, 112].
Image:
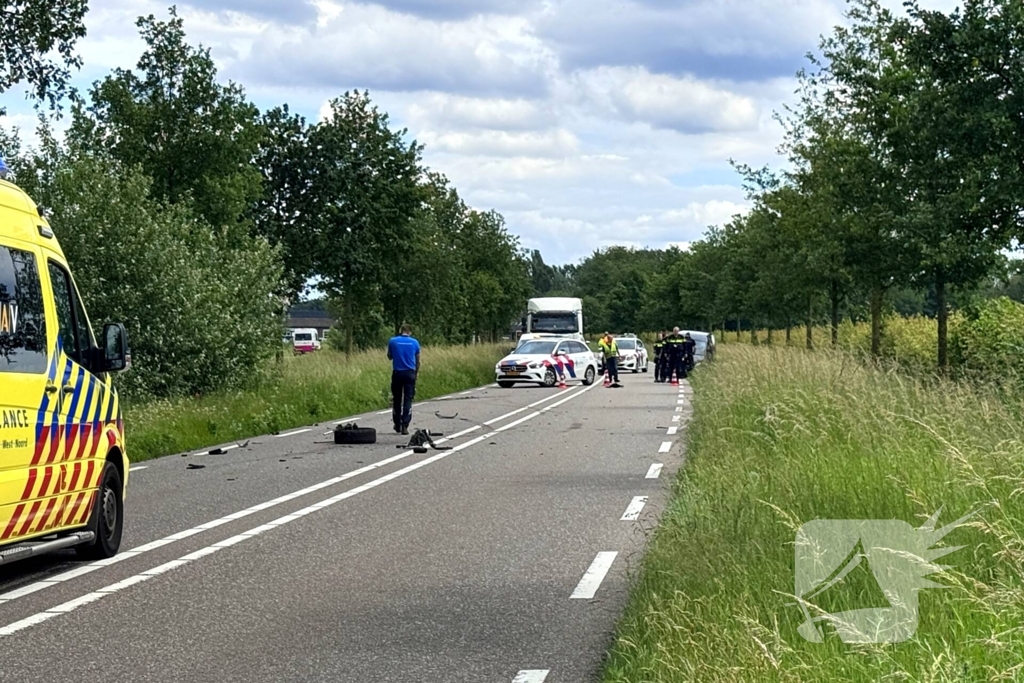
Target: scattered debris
[439, 416]
[421, 438]
[193, 466]
[217, 451]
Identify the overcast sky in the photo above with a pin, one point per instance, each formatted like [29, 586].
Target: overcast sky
[587, 123]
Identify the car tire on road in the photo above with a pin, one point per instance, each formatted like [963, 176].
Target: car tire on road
[589, 376]
[549, 378]
[355, 435]
[506, 385]
[646, 365]
[107, 518]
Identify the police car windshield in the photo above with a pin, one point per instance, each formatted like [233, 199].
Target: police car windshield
[626, 344]
[537, 348]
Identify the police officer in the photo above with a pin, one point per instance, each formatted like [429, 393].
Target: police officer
[676, 356]
[689, 348]
[659, 345]
[666, 357]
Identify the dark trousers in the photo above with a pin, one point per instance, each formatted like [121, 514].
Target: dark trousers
[680, 367]
[657, 369]
[403, 389]
[612, 365]
[665, 363]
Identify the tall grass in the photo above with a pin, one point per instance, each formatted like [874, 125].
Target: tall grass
[784, 436]
[301, 391]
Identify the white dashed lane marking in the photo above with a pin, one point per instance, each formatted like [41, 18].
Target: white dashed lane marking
[665, 447]
[632, 512]
[531, 676]
[655, 470]
[296, 432]
[591, 581]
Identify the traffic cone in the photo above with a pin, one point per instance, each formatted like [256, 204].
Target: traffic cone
[607, 378]
[675, 379]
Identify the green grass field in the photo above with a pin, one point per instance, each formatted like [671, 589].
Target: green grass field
[301, 391]
[781, 437]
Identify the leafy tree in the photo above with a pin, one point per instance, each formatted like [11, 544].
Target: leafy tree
[201, 314]
[366, 191]
[38, 38]
[283, 211]
[195, 137]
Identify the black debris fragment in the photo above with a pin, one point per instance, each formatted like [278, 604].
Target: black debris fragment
[193, 466]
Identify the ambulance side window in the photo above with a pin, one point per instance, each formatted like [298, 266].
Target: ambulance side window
[63, 298]
[22, 318]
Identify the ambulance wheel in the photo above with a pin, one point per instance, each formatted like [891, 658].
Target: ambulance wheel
[506, 385]
[107, 519]
[646, 366]
[589, 376]
[549, 378]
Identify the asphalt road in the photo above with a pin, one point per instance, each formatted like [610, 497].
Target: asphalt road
[287, 558]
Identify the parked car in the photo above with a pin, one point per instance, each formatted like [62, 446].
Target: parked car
[535, 362]
[705, 345]
[632, 354]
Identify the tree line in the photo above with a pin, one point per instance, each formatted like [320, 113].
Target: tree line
[901, 187]
[196, 218]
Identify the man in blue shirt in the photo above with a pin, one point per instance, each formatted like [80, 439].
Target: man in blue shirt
[404, 354]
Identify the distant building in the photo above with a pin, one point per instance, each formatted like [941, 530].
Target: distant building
[321, 321]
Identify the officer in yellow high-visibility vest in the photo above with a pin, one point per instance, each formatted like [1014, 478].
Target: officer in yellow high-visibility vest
[610, 350]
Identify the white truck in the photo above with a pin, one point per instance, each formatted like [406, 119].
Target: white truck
[553, 316]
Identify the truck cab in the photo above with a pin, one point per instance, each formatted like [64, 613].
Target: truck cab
[562, 317]
[63, 464]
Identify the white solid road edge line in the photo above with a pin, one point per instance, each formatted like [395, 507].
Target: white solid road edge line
[655, 471]
[71, 605]
[187, 533]
[136, 468]
[666, 446]
[591, 581]
[531, 676]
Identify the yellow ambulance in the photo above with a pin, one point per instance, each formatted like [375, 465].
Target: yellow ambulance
[63, 467]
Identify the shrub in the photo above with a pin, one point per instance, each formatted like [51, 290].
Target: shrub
[990, 342]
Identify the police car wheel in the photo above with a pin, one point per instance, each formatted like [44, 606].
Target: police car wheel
[646, 366]
[107, 519]
[589, 376]
[549, 378]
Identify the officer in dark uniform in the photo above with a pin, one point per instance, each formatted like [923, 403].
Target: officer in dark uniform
[676, 358]
[666, 357]
[689, 348]
[658, 347]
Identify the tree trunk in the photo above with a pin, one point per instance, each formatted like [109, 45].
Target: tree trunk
[943, 314]
[876, 321]
[769, 335]
[349, 321]
[739, 328]
[810, 323]
[835, 313]
[789, 333]
[753, 334]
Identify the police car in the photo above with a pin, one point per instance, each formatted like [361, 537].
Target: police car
[542, 360]
[63, 466]
[632, 354]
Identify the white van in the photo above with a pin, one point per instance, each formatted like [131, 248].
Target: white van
[305, 341]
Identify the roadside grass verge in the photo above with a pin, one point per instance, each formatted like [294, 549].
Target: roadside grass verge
[784, 436]
[301, 391]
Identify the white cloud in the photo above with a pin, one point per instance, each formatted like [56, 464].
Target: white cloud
[556, 143]
[365, 46]
[685, 104]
